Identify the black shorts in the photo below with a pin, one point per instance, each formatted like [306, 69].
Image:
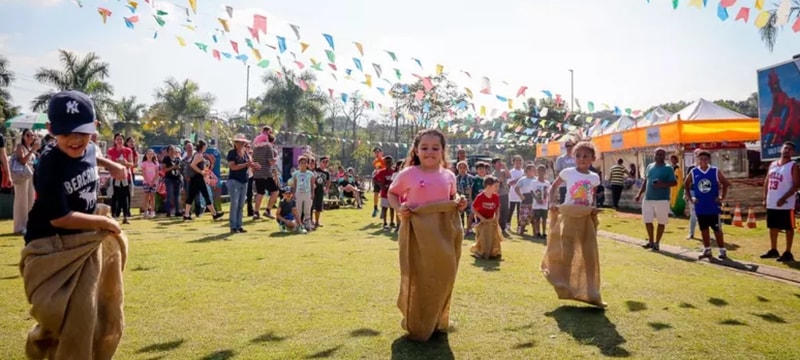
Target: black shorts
[264, 186]
[376, 188]
[319, 201]
[780, 219]
[708, 221]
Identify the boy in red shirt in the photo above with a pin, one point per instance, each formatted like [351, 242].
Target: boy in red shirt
[487, 203]
[384, 178]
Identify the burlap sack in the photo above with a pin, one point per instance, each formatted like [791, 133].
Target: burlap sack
[430, 248]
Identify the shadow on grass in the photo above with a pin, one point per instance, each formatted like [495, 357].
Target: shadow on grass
[372, 226]
[364, 332]
[437, 348]
[794, 265]
[220, 355]
[590, 326]
[142, 268]
[211, 238]
[278, 234]
[11, 234]
[324, 353]
[165, 346]
[487, 264]
[658, 326]
[770, 317]
[533, 239]
[12, 277]
[268, 337]
[685, 305]
[734, 264]
[717, 302]
[762, 299]
[732, 322]
[525, 345]
[634, 306]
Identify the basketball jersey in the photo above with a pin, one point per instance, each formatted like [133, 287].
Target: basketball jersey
[780, 182]
[705, 188]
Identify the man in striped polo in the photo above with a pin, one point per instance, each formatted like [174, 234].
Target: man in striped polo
[617, 179]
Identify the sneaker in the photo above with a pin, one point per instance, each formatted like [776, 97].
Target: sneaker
[723, 254]
[649, 245]
[241, 230]
[656, 247]
[256, 217]
[125, 221]
[268, 215]
[374, 212]
[317, 225]
[506, 234]
[786, 257]
[187, 218]
[385, 227]
[689, 237]
[217, 215]
[392, 225]
[283, 228]
[706, 254]
[771, 254]
[303, 230]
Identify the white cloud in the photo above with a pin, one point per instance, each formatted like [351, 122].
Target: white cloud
[36, 3]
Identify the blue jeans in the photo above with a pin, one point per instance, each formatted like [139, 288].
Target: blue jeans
[172, 202]
[237, 192]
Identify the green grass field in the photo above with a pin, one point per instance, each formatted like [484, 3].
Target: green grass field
[195, 292]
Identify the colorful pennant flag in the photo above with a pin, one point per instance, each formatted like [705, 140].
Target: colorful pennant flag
[193, 5]
[260, 23]
[744, 14]
[329, 39]
[224, 24]
[104, 13]
[359, 47]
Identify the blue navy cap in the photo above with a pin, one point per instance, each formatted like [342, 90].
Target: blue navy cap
[287, 190]
[71, 112]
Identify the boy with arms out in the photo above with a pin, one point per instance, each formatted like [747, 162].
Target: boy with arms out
[708, 189]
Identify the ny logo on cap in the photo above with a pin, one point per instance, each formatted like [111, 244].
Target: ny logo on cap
[72, 107]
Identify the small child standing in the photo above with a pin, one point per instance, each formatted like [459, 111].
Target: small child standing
[303, 188]
[571, 262]
[323, 183]
[541, 191]
[465, 182]
[288, 216]
[397, 167]
[150, 174]
[524, 189]
[383, 178]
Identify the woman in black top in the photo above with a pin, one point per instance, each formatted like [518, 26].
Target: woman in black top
[197, 183]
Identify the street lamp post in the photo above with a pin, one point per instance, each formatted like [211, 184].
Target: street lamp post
[247, 96]
[572, 90]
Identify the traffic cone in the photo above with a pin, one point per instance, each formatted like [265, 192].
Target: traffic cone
[751, 218]
[737, 216]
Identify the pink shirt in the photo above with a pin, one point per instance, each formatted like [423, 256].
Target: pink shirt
[149, 172]
[422, 188]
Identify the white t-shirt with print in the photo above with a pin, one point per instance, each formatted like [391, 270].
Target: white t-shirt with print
[541, 194]
[580, 187]
[515, 174]
[525, 186]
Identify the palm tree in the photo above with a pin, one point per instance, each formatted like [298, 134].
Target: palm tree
[769, 33]
[87, 74]
[6, 78]
[128, 111]
[182, 100]
[285, 99]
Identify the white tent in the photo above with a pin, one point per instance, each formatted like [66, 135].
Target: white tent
[655, 117]
[705, 110]
[625, 122]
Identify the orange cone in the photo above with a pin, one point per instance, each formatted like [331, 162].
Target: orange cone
[737, 216]
[751, 218]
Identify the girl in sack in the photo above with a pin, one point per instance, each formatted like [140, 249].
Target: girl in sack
[430, 236]
[22, 162]
[571, 262]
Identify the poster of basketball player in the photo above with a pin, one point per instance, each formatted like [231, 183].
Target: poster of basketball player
[779, 107]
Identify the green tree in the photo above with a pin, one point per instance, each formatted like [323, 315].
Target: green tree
[286, 100]
[129, 112]
[87, 74]
[182, 103]
[769, 33]
[7, 109]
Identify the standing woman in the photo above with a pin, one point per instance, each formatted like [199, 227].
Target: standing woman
[239, 162]
[197, 183]
[121, 198]
[24, 157]
[171, 168]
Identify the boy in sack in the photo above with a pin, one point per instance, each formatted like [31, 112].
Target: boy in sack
[71, 267]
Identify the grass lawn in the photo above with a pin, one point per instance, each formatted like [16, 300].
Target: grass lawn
[194, 292]
[742, 243]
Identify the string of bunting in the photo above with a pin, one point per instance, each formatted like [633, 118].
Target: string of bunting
[472, 111]
[743, 12]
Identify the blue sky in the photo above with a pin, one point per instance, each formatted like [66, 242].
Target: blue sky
[626, 53]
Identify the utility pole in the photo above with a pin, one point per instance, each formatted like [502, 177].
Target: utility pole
[396, 129]
[247, 97]
[572, 90]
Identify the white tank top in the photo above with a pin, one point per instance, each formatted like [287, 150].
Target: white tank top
[780, 181]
